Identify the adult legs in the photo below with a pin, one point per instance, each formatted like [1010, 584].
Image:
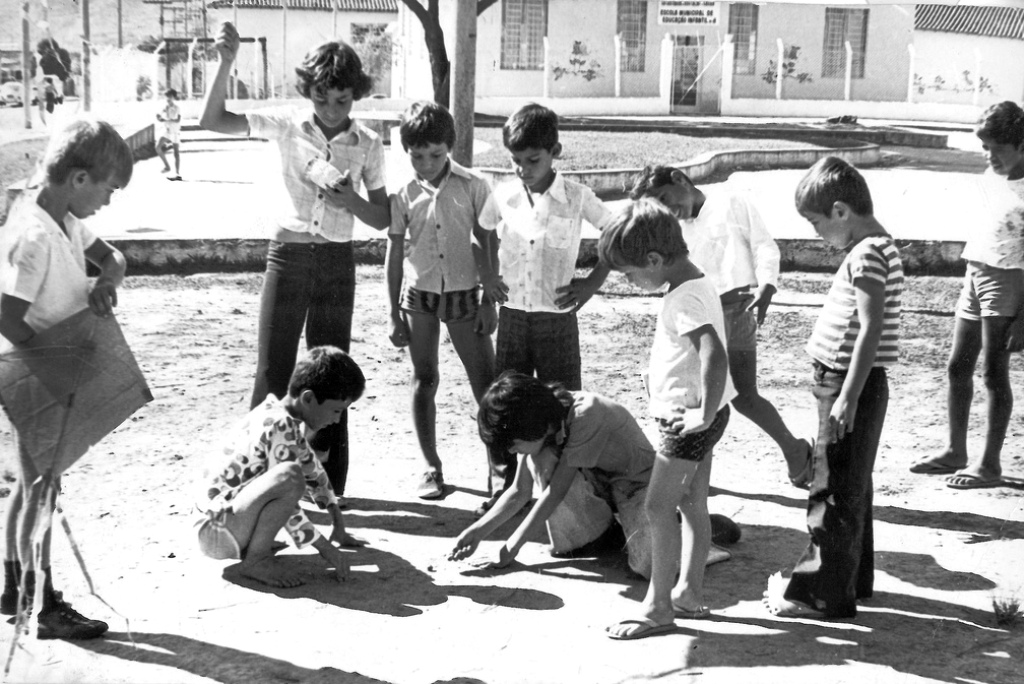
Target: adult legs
[761, 412]
[329, 321]
[258, 513]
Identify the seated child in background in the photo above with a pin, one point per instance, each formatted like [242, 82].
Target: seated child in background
[729, 243]
[267, 465]
[854, 340]
[43, 279]
[170, 115]
[538, 218]
[990, 312]
[589, 457]
[690, 390]
[438, 256]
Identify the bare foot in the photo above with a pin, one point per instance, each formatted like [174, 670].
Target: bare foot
[798, 463]
[268, 570]
[648, 622]
[942, 463]
[975, 476]
[775, 602]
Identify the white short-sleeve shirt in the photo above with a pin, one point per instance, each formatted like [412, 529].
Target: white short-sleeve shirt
[674, 376]
[44, 266]
[540, 238]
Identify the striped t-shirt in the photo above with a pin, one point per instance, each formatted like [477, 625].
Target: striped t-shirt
[838, 323]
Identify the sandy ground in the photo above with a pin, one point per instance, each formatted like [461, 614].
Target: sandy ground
[409, 616]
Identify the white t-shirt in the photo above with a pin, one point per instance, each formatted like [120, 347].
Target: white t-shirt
[675, 368]
[43, 266]
[998, 239]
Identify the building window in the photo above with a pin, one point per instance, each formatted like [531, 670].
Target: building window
[842, 26]
[632, 27]
[743, 27]
[524, 24]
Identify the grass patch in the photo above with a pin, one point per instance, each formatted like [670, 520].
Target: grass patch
[610, 150]
[1007, 611]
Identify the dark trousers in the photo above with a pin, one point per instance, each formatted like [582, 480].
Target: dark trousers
[309, 286]
[838, 566]
[534, 343]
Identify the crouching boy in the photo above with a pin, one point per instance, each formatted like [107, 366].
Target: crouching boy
[266, 467]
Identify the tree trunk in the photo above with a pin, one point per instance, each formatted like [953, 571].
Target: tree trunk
[440, 66]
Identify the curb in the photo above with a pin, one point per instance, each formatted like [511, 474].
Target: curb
[186, 257]
[708, 164]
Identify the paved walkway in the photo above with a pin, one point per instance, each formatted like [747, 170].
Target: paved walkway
[228, 192]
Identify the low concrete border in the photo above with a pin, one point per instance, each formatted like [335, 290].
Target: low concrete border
[182, 257]
[706, 165]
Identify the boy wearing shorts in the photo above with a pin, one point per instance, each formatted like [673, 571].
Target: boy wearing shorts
[267, 465]
[170, 116]
[729, 242]
[438, 256]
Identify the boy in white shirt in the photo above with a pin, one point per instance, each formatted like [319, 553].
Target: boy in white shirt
[538, 218]
[729, 242]
[170, 115]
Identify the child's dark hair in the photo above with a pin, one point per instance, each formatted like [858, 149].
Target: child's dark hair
[329, 373]
[1003, 123]
[427, 123]
[653, 177]
[519, 406]
[639, 228]
[532, 126]
[333, 64]
[92, 146]
[171, 92]
[833, 180]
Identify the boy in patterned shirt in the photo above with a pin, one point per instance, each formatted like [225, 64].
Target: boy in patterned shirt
[268, 465]
[854, 340]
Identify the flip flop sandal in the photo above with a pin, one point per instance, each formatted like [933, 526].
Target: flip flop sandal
[646, 627]
[701, 613]
[971, 482]
[929, 467]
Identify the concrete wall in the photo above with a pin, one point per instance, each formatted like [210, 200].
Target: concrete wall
[948, 55]
[886, 64]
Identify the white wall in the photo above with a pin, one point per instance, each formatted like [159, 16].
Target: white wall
[948, 55]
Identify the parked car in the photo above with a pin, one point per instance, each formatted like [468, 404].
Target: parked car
[11, 94]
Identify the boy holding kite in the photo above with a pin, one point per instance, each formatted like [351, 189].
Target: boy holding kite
[43, 281]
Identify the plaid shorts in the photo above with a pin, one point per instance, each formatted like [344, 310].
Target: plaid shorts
[694, 446]
[460, 306]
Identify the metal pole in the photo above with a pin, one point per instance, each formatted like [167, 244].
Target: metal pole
[463, 81]
[234, 85]
[120, 28]
[86, 52]
[284, 47]
[26, 64]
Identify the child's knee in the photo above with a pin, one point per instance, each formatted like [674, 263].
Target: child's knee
[289, 477]
[425, 378]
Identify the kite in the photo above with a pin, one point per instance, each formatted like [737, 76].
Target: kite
[65, 390]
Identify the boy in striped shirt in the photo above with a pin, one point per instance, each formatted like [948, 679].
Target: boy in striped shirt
[854, 340]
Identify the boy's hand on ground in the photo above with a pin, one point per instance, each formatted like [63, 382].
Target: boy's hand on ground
[466, 545]
[227, 42]
[486, 320]
[761, 301]
[103, 298]
[399, 332]
[574, 295]
[348, 541]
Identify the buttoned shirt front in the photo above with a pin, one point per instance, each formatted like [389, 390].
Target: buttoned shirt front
[730, 243]
[540, 238]
[438, 227]
[300, 141]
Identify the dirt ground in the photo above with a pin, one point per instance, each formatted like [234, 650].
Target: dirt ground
[408, 616]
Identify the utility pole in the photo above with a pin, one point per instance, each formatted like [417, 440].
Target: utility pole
[463, 81]
[86, 53]
[26, 64]
[120, 29]
[284, 48]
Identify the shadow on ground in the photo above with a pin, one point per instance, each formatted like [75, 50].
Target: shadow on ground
[219, 663]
